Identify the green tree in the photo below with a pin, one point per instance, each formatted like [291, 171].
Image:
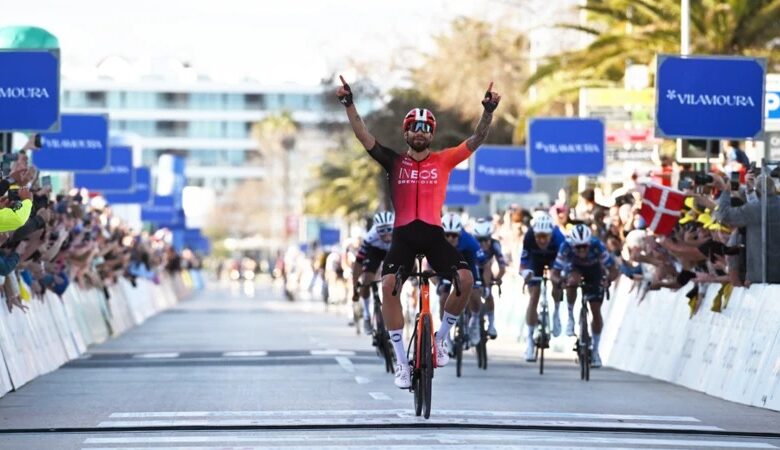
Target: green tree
[625, 32]
[467, 57]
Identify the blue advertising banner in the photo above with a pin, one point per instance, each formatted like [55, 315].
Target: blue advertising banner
[80, 146]
[709, 97]
[194, 239]
[773, 104]
[458, 193]
[496, 169]
[29, 90]
[120, 175]
[142, 190]
[160, 211]
[329, 236]
[566, 146]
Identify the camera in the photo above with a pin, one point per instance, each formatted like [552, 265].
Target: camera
[702, 179]
[13, 195]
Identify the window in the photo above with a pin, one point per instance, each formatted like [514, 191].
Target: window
[96, 99]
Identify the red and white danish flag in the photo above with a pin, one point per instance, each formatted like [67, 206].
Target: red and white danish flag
[661, 208]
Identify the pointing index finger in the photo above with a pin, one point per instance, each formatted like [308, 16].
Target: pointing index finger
[344, 82]
[490, 87]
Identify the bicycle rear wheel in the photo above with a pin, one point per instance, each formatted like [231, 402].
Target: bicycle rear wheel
[426, 365]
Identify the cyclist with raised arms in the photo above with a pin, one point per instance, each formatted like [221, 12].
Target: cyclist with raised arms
[584, 257]
[418, 181]
[372, 251]
[468, 246]
[490, 250]
[540, 248]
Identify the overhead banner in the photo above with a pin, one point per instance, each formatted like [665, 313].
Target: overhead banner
[710, 97]
[29, 90]
[80, 146]
[141, 193]
[458, 193]
[497, 169]
[162, 210]
[560, 146]
[119, 177]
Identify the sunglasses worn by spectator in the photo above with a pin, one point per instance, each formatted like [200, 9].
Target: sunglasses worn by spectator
[425, 127]
[451, 235]
[384, 230]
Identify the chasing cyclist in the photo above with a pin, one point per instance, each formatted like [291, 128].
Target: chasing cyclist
[584, 257]
[540, 248]
[468, 246]
[490, 251]
[372, 251]
[418, 182]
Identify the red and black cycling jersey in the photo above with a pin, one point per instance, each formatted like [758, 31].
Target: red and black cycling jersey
[418, 188]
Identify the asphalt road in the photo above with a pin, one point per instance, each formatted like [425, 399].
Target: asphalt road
[237, 367]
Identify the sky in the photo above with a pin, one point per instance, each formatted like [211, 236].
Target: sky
[288, 41]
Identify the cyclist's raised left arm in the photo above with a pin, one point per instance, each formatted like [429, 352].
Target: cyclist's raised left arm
[344, 94]
[489, 103]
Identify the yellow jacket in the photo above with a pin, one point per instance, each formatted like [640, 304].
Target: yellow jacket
[11, 219]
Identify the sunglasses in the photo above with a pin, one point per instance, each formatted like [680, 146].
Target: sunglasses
[581, 247]
[483, 239]
[542, 236]
[384, 230]
[451, 235]
[425, 127]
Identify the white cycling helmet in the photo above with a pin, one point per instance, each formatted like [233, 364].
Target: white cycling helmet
[580, 235]
[483, 228]
[543, 224]
[384, 218]
[451, 223]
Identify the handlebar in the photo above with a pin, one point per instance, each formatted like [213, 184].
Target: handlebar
[401, 276]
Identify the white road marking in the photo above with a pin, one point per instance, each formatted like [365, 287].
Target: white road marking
[156, 355]
[332, 352]
[245, 354]
[442, 438]
[362, 380]
[379, 396]
[398, 412]
[345, 364]
[401, 420]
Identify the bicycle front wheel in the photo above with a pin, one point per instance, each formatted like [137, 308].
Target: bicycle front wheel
[458, 350]
[426, 362]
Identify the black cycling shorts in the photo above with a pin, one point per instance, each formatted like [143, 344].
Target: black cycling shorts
[420, 237]
[593, 276]
[372, 258]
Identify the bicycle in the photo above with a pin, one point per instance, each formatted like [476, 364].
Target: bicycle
[483, 335]
[381, 338]
[542, 340]
[424, 358]
[584, 342]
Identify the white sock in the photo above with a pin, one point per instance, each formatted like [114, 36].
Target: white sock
[596, 340]
[367, 308]
[397, 338]
[491, 315]
[447, 321]
[531, 330]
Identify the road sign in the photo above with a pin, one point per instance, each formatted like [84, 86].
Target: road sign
[712, 97]
[141, 193]
[80, 146]
[458, 193]
[566, 146]
[498, 169]
[119, 177]
[29, 90]
[161, 211]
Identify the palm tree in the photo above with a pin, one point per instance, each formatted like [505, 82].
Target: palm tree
[626, 32]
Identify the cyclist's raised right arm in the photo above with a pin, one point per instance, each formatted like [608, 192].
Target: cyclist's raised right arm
[344, 94]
